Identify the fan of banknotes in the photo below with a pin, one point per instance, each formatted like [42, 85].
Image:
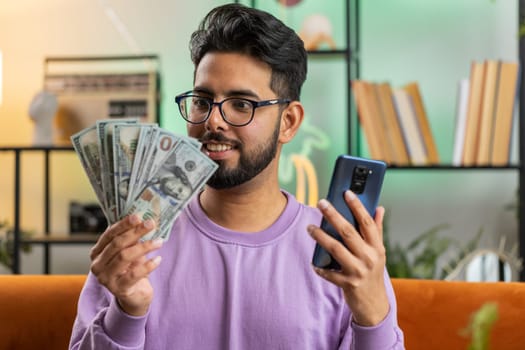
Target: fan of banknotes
[139, 168]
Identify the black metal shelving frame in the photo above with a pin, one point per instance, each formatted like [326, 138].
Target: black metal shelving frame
[521, 204]
[46, 240]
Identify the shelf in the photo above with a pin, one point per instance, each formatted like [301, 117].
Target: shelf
[452, 167]
[76, 238]
[35, 148]
[328, 52]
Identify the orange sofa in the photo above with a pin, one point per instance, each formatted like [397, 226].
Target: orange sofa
[37, 312]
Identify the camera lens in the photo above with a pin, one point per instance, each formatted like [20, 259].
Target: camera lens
[359, 179]
[357, 186]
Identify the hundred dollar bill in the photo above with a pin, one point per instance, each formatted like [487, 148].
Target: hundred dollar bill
[145, 141]
[162, 145]
[105, 137]
[85, 143]
[183, 173]
[125, 140]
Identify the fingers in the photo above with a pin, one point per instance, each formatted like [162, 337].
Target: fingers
[119, 260]
[120, 246]
[129, 229]
[370, 229]
[112, 231]
[370, 233]
[380, 215]
[339, 252]
[137, 272]
[367, 225]
[346, 230]
[122, 274]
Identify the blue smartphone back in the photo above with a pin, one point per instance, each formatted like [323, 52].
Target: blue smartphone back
[365, 178]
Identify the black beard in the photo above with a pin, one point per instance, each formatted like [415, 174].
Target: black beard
[249, 165]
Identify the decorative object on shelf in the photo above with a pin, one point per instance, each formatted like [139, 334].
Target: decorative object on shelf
[289, 3]
[509, 260]
[7, 243]
[316, 30]
[420, 258]
[86, 218]
[42, 111]
[93, 88]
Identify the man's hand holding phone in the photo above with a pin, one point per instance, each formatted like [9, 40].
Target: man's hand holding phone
[362, 261]
[349, 250]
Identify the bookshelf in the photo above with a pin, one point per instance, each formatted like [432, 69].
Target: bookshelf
[444, 170]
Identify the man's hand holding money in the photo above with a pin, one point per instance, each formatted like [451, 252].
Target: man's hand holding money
[143, 176]
[120, 263]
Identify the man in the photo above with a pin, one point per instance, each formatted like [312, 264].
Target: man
[236, 271]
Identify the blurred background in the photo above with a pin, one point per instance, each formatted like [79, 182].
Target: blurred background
[431, 42]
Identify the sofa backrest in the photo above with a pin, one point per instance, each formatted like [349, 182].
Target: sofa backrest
[37, 312]
[433, 313]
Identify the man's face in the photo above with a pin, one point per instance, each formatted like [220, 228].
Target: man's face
[241, 152]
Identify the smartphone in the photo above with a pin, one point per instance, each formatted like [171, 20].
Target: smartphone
[362, 176]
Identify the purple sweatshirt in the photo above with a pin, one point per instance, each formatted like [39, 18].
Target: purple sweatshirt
[220, 289]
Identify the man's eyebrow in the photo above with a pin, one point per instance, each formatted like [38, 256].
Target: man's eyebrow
[203, 91]
[229, 93]
[245, 93]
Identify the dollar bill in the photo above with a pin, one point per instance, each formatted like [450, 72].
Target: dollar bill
[181, 175]
[85, 143]
[105, 138]
[162, 144]
[125, 140]
[146, 137]
[142, 169]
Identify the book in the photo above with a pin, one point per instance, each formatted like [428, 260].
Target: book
[477, 78]
[409, 126]
[379, 122]
[367, 118]
[487, 112]
[393, 127]
[506, 96]
[423, 122]
[461, 120]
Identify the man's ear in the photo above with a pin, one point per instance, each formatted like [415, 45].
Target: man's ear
[291, 119]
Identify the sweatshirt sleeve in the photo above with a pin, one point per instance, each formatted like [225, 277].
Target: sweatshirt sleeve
[386, 335]
[101, 324]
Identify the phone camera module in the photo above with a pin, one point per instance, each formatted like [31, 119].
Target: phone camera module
[359, 179]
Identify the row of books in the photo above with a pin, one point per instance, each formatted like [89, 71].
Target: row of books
[395, 123]
[485, 113]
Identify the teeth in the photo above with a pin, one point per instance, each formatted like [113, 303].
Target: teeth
[213, 147]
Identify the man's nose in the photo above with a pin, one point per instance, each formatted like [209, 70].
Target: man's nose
[215, 120]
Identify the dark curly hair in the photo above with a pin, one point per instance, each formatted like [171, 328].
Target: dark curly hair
[241, 29]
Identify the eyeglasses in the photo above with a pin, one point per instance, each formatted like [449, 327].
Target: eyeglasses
[235, 111]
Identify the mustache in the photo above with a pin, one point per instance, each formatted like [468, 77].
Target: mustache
[218, 137]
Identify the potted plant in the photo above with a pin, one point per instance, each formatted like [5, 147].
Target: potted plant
[7, 244]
